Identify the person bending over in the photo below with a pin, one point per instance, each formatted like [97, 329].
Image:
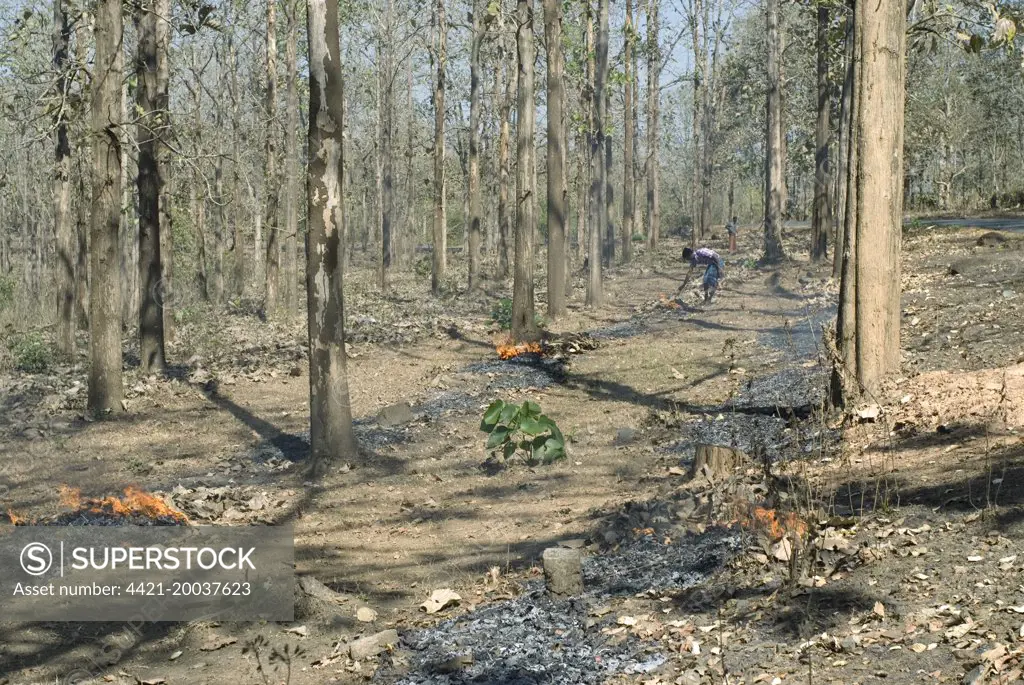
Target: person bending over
[713, 272]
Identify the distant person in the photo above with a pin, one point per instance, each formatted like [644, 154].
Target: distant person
[731, 228]
[713, 272]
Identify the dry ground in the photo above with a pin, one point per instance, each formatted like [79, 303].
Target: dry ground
[416, 511]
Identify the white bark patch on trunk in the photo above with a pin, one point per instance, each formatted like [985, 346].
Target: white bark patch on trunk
[318, 34]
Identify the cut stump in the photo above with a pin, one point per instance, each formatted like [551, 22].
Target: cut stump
[715, 462]
[563, 571]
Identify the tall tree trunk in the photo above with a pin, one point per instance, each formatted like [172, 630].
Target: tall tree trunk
[410, 159]
[66, 258]
[775, 178]
[330, 434]
[383, 254]
[582, 193]
[523, 325]
[505, 247]
[163, 153]
[386, 86]
[82, 236]
[82, 42]
[845, 130]
[154, 292]
[557, 208]
[238, 240]
[440, 214]
[291, 155]
[870, 293]
[474, 143]
[598, 182]
[271, 182]
[707, 121]
[821, 220]
[653, 116]
[105, 388]
[696, 189]
[629, 115]
[594, 186]
[609, 190]
[197, 198]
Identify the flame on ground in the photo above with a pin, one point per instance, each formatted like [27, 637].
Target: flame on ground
[507, 349]
[15, 519]
[669, 303]
[134, 502]
[774, 525]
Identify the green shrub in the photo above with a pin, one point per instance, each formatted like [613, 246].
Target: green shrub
[513, 427]
[638, 238]
[424, 266]
[30, 352]
[6, 292]
[501, 314]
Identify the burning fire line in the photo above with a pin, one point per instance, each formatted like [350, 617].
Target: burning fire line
[135, 503]
[507, 349]
[772, 524]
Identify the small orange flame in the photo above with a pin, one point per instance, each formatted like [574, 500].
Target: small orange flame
[775, 526]
[669, 303]
[135, 502]
[15, 519]
[507, 348]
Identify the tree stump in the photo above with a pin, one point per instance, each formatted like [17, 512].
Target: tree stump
[716, 462]
[563, 571]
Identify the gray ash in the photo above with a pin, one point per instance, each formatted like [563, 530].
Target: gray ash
[83, 518]
[524, 371]
[789, 387]
[534, 640]
[618, 331]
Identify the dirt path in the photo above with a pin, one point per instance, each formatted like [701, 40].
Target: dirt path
[416, 511]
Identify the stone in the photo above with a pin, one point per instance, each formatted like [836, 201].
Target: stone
[625, 436]
[563, 571]
[395, 414]
[372, 645]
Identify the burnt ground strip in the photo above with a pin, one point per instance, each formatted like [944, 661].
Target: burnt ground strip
[534, 640]
[766, 415]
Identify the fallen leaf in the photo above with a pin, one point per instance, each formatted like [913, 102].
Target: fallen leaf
[150, 681]
[918, 647]
[215, 642]
[994, 653]
[366, 615]
[782, 550]
[975, 558]
[440, 599]
[879, 610]
[678, 376]
[176, 655]
[626, 621]
[869, 413]
[301, 631]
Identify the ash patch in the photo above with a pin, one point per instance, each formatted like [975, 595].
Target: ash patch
[524, 371]
[624, 329]
[650, 565]
[81, 518]
[750, 433]
[803, 339]
[534, 640]
[291, 448]
[788, 388]
[446, 402]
